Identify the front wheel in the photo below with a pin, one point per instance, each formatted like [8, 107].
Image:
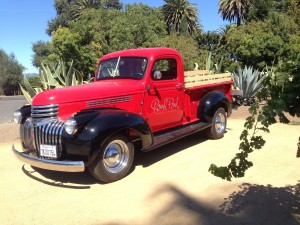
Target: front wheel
[218, 125]
[114, 159]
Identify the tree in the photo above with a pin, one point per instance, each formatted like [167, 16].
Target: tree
[135, 27]
[68, 10]
[63, 15]
[67, 45]
[208, 40]
[282, 96]
[260, 10]
[293, 10]
[42, 50]
[215, 43]
[278, 37]
[99, 31]
[178, 11]
[234, 10]
[223, 32]
[112, 4]
[10, 73]
[188, 49]
[78, 6]
[257, 44]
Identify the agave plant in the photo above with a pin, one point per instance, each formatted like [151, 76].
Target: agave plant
[210, 66]
[208, 63]
[51, 77]
[249, 81]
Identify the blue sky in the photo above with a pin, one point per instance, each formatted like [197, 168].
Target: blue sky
[23, 23]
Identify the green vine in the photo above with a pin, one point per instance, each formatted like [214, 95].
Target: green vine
[250, 140]
[282, 94]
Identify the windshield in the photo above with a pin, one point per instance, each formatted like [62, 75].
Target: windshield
[122, 67]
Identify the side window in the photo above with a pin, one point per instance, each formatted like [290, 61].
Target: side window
[167, 67]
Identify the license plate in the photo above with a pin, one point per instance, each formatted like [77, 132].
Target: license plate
[48, 151]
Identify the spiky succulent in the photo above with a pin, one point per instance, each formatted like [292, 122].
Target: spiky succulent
[249, 81]
[53, 77]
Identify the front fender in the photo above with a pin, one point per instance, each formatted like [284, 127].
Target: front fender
[210, 103]
[25, 112]
[99, 126]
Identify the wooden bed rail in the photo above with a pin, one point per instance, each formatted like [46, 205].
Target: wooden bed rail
[202, 77]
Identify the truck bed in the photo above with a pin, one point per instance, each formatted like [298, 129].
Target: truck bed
[202, 77]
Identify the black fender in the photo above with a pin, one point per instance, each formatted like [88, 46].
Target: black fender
[23, 132]
[25, 112]
[210, 103]
[96, 126]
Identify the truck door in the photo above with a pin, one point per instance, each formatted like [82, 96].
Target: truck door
[163, 101]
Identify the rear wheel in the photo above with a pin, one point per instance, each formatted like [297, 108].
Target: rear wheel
[219, 122]
[114, 159]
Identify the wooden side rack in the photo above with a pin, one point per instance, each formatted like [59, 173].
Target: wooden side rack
[202, 77]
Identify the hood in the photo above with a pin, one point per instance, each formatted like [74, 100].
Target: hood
[92, 91]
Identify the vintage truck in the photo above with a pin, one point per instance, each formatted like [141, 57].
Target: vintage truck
[140, 99]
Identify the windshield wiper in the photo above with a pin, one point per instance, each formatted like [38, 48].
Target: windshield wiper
[114, 74]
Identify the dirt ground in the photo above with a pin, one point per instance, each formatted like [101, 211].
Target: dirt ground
[170, 185]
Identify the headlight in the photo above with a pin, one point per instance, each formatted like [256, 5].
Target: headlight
[17, 116]
[71, 126]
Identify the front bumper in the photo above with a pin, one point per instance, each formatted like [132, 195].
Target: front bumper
[64, 166]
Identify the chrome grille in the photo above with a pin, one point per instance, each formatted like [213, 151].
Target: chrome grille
[44, 112]
[49, 133]
[47, 129]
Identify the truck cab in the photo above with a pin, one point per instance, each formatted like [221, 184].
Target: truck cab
[140, 99]
[159, 74]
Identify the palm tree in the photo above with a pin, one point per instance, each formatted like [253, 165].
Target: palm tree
[176, 10]
[223, 32]
[234, 10]
[112, 4]
[79, 5]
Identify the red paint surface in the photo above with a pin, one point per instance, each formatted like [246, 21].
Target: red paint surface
[166, 104]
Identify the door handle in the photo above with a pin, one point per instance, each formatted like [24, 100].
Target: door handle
[179, 86]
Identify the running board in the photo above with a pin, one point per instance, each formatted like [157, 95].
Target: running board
[174, 134]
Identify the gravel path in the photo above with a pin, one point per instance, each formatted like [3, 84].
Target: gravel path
[168, 186]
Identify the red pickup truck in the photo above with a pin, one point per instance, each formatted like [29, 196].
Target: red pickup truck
[140, 99]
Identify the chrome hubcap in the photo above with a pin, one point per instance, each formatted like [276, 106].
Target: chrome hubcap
[115, 156]
[220, 123]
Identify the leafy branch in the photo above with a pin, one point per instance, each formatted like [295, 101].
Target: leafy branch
[250, 141]
[281, 95]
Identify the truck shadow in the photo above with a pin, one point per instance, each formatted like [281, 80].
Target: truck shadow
[148, 158]
[83, 180]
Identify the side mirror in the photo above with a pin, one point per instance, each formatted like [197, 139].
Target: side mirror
[157, 75]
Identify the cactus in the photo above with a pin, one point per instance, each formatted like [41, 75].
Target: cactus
[249, 81]
[208, 63]
[213, 68]
[56, 76]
